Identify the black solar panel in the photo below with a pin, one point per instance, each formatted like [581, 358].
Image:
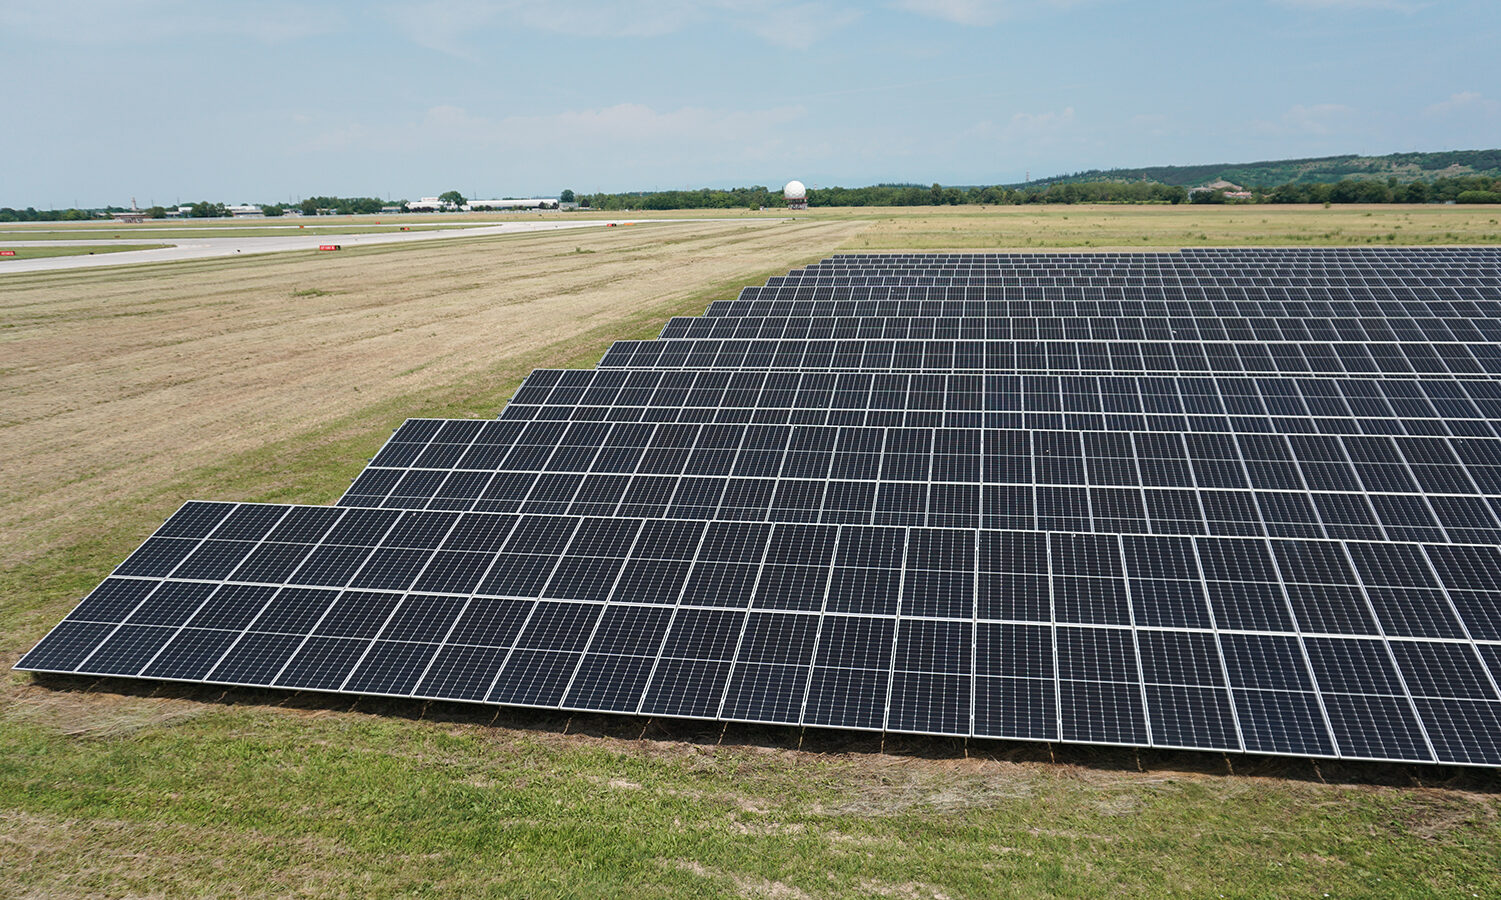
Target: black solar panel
[1063, 356]
[902, 322]
[1231, 516]
[1282, 645]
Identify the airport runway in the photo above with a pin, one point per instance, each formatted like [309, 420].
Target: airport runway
[208, 247]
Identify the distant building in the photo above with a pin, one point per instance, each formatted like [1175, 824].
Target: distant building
[433, 204]
[134, 216]
[390, 210]
[1230, 189]
[528, 203]
[245, 212]
[796, 195]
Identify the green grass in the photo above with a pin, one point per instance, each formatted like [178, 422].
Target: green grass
[1126, 227]
[316, 801]
[41, 252]
[134, 789]
[1036, 227]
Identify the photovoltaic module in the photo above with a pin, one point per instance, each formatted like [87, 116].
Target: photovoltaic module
[1237, 500]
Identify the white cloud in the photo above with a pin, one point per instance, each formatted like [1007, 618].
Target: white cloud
[624, 146]
[626, 122]
[1027, 128]
[1468, 103]
[622, 129]
[455, 26]
[796, 25]
[1403, 6]
[980, 12]
[1318, 119]
[1154, 124]
[449, 25]
[152, 22]
[1048, 124]
[1321, 118]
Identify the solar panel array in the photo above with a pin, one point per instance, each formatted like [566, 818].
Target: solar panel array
[1239, 500]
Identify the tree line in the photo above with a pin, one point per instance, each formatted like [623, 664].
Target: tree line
[1468, 189]
[893, 195]
[1459, 189]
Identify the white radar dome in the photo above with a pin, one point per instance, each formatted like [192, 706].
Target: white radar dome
[794, 190]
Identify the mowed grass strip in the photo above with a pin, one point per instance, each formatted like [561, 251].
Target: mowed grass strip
[44, 252]
[274, 379]
[1036, 227]
[113, 795]
[223, 230]
[1127, 227]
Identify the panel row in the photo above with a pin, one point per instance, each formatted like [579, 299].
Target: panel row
[1125, 357]
[1425, 489]
[1425, 271]
[1307, 273]
[1483, 283]
[1088, 302]
[1359, 254]
[1240, 259]
[1315, 648]
[1076, 403]
[898, 326]
[1355, 587]
[1431, 465]
[957, 505]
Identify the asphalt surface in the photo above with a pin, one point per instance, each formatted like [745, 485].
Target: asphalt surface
[209, 247]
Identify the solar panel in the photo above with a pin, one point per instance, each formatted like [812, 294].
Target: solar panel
[910, 324]
[1003, 523]
[1062, 356]
[1353, 485]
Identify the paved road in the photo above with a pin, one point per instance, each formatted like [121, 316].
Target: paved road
[204, 248]
[220, 225]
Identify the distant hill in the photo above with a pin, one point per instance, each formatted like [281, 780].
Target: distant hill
[1402, 166]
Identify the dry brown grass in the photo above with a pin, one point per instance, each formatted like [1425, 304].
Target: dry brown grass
[116, 379]
[1127, 227]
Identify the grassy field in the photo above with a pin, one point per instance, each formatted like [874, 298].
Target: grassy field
[125, 392]
[1036, 227]
[260, 228]
[40, 252]
[1139, 227]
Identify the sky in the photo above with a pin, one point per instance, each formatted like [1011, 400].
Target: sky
[262, 101]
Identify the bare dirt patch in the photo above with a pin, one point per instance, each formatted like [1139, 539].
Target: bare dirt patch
[97, 716]
[90, 857]
[745, 885]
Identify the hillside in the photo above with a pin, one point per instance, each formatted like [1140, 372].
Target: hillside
[1402, 166]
